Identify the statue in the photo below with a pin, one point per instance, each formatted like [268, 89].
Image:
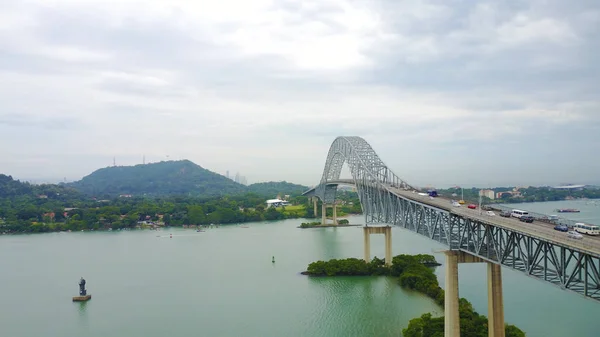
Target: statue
[82, 291]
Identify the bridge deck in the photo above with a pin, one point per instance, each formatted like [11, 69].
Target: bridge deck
[542, 230]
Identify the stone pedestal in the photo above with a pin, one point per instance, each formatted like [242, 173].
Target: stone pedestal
[82, 298]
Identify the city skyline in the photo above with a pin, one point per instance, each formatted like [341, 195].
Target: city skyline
[452, 93]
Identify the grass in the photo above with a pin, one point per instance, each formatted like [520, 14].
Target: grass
[292, 208]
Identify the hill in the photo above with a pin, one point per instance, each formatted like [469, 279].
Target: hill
[12, 189]
[273, 188]
[180, 177]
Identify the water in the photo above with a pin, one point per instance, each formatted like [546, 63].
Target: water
[222, 283]
[590, 209]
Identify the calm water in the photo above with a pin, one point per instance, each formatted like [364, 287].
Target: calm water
[222, 283]
[590, 209]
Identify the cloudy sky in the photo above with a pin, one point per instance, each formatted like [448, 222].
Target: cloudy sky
[472, 93]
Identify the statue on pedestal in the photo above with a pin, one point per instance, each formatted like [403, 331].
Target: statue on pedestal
[82, 291]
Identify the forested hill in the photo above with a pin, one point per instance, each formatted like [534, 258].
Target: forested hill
[274, 188]
[10, 188]
[180, 177]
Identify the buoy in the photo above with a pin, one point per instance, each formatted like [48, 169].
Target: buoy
[273, 261]
[171, 236]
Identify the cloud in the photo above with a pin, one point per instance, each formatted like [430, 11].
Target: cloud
[263, 87]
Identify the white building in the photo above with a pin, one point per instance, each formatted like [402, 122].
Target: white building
[487, 193]
[277, 203]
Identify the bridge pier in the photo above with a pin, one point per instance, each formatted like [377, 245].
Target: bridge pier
[451, 298]
[315, 199]
[495, 301]
[451, 317]
[334, 213]
[387, 231]
[324, 213]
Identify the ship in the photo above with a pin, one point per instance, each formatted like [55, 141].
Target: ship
[567, 210]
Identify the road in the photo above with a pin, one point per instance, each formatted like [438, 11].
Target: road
[542, 230]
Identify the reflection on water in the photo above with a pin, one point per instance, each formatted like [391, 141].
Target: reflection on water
[82, 308]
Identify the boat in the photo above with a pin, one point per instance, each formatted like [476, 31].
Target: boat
[567, 210]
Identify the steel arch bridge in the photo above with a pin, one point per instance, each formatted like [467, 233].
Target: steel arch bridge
[385, 198]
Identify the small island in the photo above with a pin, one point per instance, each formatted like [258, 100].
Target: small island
[317, 224]
[413, 272]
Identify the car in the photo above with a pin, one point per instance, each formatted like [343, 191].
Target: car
[574, 235]
[490, 213]
[505, 214]
[562, 228]
[455, 204]
[526, 218]
[471, 206]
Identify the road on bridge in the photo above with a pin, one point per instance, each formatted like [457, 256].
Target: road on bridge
[542, 230]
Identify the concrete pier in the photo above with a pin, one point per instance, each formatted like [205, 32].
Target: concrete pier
[495, 302]
[82, 298]
[334, 214]
[451, 317]
[387, 231]
[451, 297]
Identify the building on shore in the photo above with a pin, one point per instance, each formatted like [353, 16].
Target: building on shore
[487, 193]
[276, 203]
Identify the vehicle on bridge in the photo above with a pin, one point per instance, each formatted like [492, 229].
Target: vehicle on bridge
[472, 206]
[561, 228]
[586, 229]
[574, 235]
[490, 213]
[432, 193]
[517, 213]
[505, 214]
[526, 218]
[455, 203]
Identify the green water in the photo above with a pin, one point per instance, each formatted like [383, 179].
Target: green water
[222, 283]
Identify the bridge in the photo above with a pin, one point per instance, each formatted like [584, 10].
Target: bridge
[534, 249]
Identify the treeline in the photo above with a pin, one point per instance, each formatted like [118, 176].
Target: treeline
[54, 212]
[413, 272]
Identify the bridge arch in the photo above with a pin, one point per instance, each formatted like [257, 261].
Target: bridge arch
[369, 172]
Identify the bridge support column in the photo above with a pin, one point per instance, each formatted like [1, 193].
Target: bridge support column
[334, 214]
[388, 246]
[367, 244]
[315, 206]
[387, 231]
[451, 317]
[324, 215]
[495, 301]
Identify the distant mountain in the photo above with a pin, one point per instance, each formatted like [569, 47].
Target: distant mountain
[180, 177]
[274, 188]
[11, 188]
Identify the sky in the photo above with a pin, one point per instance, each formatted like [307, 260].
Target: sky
[470, 93]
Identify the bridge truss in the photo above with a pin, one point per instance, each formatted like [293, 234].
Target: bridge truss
[568, 267]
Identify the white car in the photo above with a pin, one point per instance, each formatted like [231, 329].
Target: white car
[455, 204]
[490, 213]
[574, 235]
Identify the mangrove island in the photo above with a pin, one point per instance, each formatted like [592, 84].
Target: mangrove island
[414, 272]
